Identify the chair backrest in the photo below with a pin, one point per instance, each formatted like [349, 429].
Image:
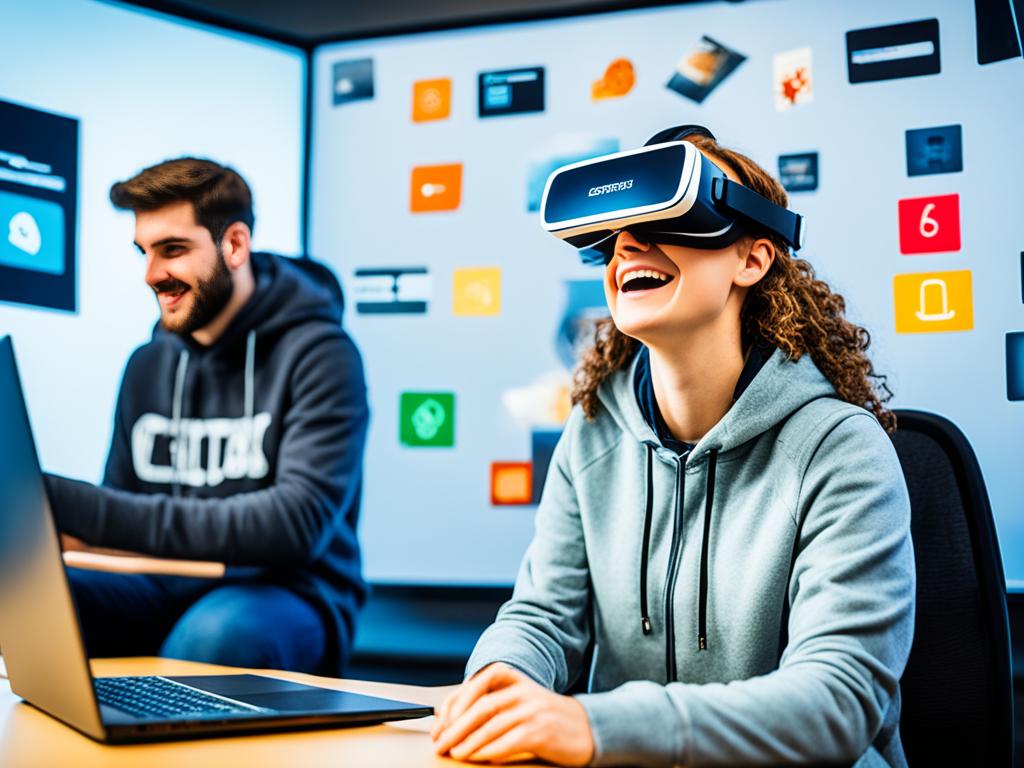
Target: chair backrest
[957, 688]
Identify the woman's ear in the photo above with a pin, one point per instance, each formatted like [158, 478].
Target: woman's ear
[759, 258]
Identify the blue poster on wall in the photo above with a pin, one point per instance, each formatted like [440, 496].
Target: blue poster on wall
[38, 205]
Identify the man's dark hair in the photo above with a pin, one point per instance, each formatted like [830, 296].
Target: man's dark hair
[219, 196]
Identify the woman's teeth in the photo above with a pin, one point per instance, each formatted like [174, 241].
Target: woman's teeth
[650, 274]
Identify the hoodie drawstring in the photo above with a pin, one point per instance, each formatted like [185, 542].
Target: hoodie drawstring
[250, 374]
[179, 387]
[645, 617]
[709, 500]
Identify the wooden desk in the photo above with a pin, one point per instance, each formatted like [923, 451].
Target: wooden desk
[32, 739]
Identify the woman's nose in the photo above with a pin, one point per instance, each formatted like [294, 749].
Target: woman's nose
[629, 242]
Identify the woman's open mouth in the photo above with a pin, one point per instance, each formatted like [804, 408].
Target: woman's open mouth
[640, 281]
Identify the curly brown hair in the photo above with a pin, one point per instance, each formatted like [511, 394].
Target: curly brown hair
[789, 308]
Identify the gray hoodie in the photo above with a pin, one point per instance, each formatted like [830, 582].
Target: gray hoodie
[749, 603]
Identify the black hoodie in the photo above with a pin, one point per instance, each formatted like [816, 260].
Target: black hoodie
[267, 473]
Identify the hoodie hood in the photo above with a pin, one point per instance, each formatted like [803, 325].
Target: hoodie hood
[779, 389]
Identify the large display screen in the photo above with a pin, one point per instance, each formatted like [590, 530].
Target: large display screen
[38, 206]
[429, 157]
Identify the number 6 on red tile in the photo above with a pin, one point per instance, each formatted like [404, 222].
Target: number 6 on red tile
[930, 224]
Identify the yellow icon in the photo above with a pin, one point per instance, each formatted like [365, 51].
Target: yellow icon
[477, 291]
[932, 302]
[431, 99]
[618, 80]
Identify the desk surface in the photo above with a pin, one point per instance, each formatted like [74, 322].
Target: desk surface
[30, 738]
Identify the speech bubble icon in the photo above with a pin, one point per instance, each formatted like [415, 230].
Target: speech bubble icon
[23, 233]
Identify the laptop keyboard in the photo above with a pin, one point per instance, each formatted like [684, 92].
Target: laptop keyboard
[151, 696]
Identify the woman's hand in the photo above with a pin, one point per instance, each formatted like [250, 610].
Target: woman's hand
[501, 714]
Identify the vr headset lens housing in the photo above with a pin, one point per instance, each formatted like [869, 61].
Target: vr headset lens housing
[667, 192]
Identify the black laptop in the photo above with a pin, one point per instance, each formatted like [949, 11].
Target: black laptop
[45, 657]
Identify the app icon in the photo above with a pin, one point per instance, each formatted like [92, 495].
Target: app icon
[353, 81]
[542, 449]
[33, 234]
[934, 150]
[427, 419]
[618, 80]
[562, 149]
[933, 302]
[435, 188]
[511, 483]
[891, 52]
[1015, 365]
[799, 173]
[930, 224]
[703, 69]
[431, 99]
[477, 291]
[793, 83]
[510, 91]
[391, 290]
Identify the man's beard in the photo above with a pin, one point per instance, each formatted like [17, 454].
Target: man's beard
[211, 296]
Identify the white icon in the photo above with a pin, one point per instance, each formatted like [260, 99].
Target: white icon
[480, 293]
[344, 86]
[933, 317]
[929, 227]
[24, 233]
[429, 190]
[430, 100]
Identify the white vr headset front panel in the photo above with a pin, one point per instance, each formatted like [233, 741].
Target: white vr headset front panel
[681, 202]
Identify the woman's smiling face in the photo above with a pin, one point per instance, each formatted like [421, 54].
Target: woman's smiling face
[655, 288]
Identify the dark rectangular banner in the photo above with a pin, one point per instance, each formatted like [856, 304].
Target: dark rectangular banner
[392, 290]
[888, 53]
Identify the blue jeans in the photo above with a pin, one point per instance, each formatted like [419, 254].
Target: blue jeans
[239, 624]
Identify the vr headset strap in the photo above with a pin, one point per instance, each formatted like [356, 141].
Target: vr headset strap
[738, 199]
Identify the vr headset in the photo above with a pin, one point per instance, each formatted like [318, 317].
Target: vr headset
[666, 192]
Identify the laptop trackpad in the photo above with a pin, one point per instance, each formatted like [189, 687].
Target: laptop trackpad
[286, 696]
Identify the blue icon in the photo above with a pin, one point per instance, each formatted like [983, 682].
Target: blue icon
[799, 173]
[510, 91]
[542, 450]
[497, 96]
[353, 81]
[31, 234]
[934, 150]
[1015, 365]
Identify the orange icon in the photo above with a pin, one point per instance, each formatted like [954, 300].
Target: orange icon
[435, 188]
[930, 302]
[431, 99]
[511, 483]
[618, 80]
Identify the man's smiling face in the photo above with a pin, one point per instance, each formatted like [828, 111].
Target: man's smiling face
[184, 267]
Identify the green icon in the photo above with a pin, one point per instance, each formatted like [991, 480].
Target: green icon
[427, 419]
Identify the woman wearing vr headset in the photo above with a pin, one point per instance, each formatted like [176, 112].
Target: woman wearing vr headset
[722, 569]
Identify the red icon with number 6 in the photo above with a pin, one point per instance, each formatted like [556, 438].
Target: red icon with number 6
[930, 224]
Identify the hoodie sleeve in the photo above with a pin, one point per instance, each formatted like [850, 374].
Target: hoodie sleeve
[850, 631]
[289, 523]
[544, 630]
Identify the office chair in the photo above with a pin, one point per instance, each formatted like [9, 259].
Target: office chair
[957, 689]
